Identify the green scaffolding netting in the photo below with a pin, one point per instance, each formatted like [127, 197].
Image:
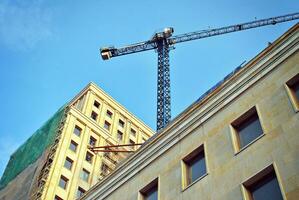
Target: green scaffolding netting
[32, 149]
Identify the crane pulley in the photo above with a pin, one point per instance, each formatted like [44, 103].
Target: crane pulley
[164, 41]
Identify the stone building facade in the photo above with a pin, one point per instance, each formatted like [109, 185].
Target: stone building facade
[239, 141]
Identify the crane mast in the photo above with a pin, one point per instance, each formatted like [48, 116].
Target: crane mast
[163, 42]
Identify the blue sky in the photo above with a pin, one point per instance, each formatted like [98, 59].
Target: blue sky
[49, 50]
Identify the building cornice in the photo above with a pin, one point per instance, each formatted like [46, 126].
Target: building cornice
[101, 94]
[196, 114]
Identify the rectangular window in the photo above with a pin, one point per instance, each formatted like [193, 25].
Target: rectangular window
[121, 123]
[107, 125]
[247, 128]
[68, 163]
[105, 169]
[133, 132]
[73, 146]
[57, 198]
[150, 192]
[131, 142]
[85, 175]
[63, 182]
[119, 135]
[80, 192]
[109, 114]
[94, 115]
[96, 104]
[88, 157]
[77, 130]
[293, 91]
[194, 166]
[263, 186]
[92, 141]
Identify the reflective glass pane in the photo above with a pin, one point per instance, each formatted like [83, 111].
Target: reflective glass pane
[197, 167]
[249, 130]
[266, 189]
[73, 146]
[296, 90]
[80, 192]
[63, 182]
[68, 163]
[77, 131]
[152, 194]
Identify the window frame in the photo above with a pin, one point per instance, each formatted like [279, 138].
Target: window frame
[121, 123]
[257, 177]
[80, 189]
[133, 132]
[94, 139]
[185, 163]
[96, 104]
[122, 136]
[238, 122]
[75, 144]
[66, 180]
[146, 189]
[71, 161]
[79, 129]
[109, 114]
[85, 172]
[92, 157]
[56, 197]
[290, 91]
[106, 123]
[132, 142]
[96, 115]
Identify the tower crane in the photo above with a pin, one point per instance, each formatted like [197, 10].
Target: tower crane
[164, 41]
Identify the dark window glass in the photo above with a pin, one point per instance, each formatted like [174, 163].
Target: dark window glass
[133, 132]
[73, 146]
[152, 194]
[85, 175]
[80, 192]
[266, 189]
[77, 131]
[94, 115]
[249, 129]
[109, 114]
[88, 157]
[196, 166]
[96, 104]
[63, 182]
[57, 198]
[107, 125]
[92, 141]
[295, 88]
[121, 123]
[119, 135]
[132, 142]
[68, 163]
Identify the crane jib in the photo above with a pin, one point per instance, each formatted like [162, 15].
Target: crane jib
[228, 29]
[164, 41]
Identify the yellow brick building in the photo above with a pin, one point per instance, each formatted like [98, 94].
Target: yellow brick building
[57, 163]
[238, 141]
